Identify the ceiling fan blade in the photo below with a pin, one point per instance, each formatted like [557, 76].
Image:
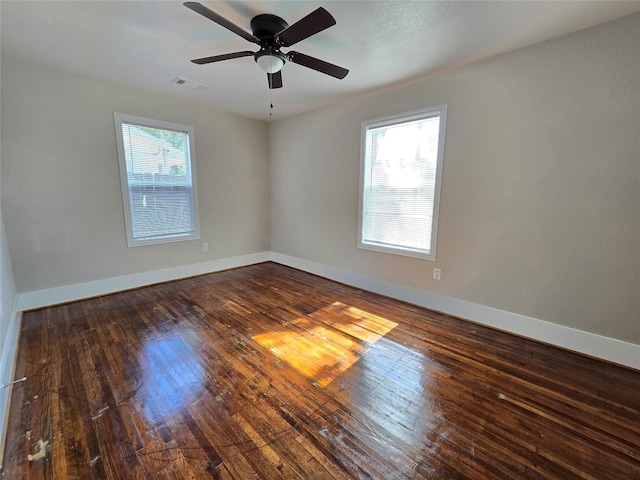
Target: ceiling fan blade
[220, 20]
[313, 23]
[275, 79]
[219, 58]
[317, 64]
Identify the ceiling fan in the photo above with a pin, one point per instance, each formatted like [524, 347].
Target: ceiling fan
[271, 33]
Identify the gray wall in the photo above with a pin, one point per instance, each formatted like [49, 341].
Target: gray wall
[540, 197]
[61, 188]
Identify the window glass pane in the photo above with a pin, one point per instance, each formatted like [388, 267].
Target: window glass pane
[159, 183]
[399, 189]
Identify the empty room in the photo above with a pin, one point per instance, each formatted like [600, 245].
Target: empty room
[320, 240]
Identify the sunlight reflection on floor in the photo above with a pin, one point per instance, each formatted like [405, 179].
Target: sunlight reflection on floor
[323, 352]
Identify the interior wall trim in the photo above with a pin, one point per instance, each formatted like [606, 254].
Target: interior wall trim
[591, 344]
[95, 288]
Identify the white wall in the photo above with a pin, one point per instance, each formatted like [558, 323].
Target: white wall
[540, 197]
[61, 188]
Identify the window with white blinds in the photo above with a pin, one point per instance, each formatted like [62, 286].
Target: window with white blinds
[400, 185]
[157, 172]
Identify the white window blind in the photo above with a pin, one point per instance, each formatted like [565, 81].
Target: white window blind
[401, 167]
[157, 171]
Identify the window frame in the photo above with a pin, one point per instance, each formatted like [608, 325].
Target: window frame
[121, 119]
[398, 118]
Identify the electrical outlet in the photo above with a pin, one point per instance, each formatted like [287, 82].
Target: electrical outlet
[436, 273]
[205, 247]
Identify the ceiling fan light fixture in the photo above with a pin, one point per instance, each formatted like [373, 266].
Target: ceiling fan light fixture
[269, 62]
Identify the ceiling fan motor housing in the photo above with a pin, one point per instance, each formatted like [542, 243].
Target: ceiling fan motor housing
[266, 26]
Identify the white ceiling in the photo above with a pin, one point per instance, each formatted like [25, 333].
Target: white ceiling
[147, 44]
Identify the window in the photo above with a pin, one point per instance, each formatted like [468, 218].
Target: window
[157, 172]
[400, 182]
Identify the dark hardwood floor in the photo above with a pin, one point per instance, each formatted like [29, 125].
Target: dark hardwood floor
[268, 372]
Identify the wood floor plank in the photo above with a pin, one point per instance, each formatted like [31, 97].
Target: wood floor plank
[267, 372]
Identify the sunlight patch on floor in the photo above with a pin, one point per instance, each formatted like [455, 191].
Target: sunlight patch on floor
[358, 323]
[323, 352]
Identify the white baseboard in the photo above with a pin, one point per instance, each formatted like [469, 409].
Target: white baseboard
[69, 293]
[610, 349]
[7, 363]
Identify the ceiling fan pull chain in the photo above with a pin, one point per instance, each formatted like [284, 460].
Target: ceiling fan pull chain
[270, 100]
